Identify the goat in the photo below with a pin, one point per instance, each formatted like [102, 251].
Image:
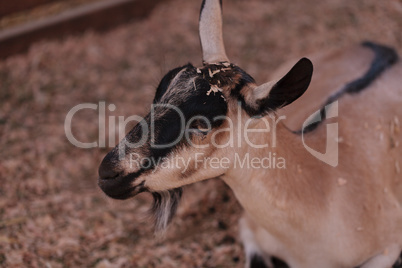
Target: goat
[306, 212]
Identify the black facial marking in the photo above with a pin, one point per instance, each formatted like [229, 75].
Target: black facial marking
[191, 94]
[121, 187]
[165, 82]
[244, 80]
[384, 58]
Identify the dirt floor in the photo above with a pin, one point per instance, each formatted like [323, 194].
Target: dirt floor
[52, 213]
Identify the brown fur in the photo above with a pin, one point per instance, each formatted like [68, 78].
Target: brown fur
[353, 222]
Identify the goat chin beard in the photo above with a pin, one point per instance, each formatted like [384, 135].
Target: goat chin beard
[164, 207]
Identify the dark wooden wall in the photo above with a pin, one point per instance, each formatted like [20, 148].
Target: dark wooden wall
[100, 15]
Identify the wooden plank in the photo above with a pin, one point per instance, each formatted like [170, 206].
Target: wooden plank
[8, 7]
[99, 16]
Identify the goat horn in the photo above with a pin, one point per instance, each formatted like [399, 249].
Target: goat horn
[213, 49]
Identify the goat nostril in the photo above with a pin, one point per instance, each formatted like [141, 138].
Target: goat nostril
[106, 172]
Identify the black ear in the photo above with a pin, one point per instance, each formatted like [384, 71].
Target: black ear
[286, 90]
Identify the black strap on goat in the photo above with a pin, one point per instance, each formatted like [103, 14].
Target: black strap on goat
[384, 58]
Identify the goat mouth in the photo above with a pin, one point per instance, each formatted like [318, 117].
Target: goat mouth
[131, 192]
[121, 187]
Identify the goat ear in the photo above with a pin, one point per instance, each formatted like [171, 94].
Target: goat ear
[272, 96]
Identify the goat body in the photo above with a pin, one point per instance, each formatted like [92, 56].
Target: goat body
[314, 215]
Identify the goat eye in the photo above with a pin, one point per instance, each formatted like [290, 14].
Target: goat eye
[203, 130]
[199, 130]
[199, 127]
